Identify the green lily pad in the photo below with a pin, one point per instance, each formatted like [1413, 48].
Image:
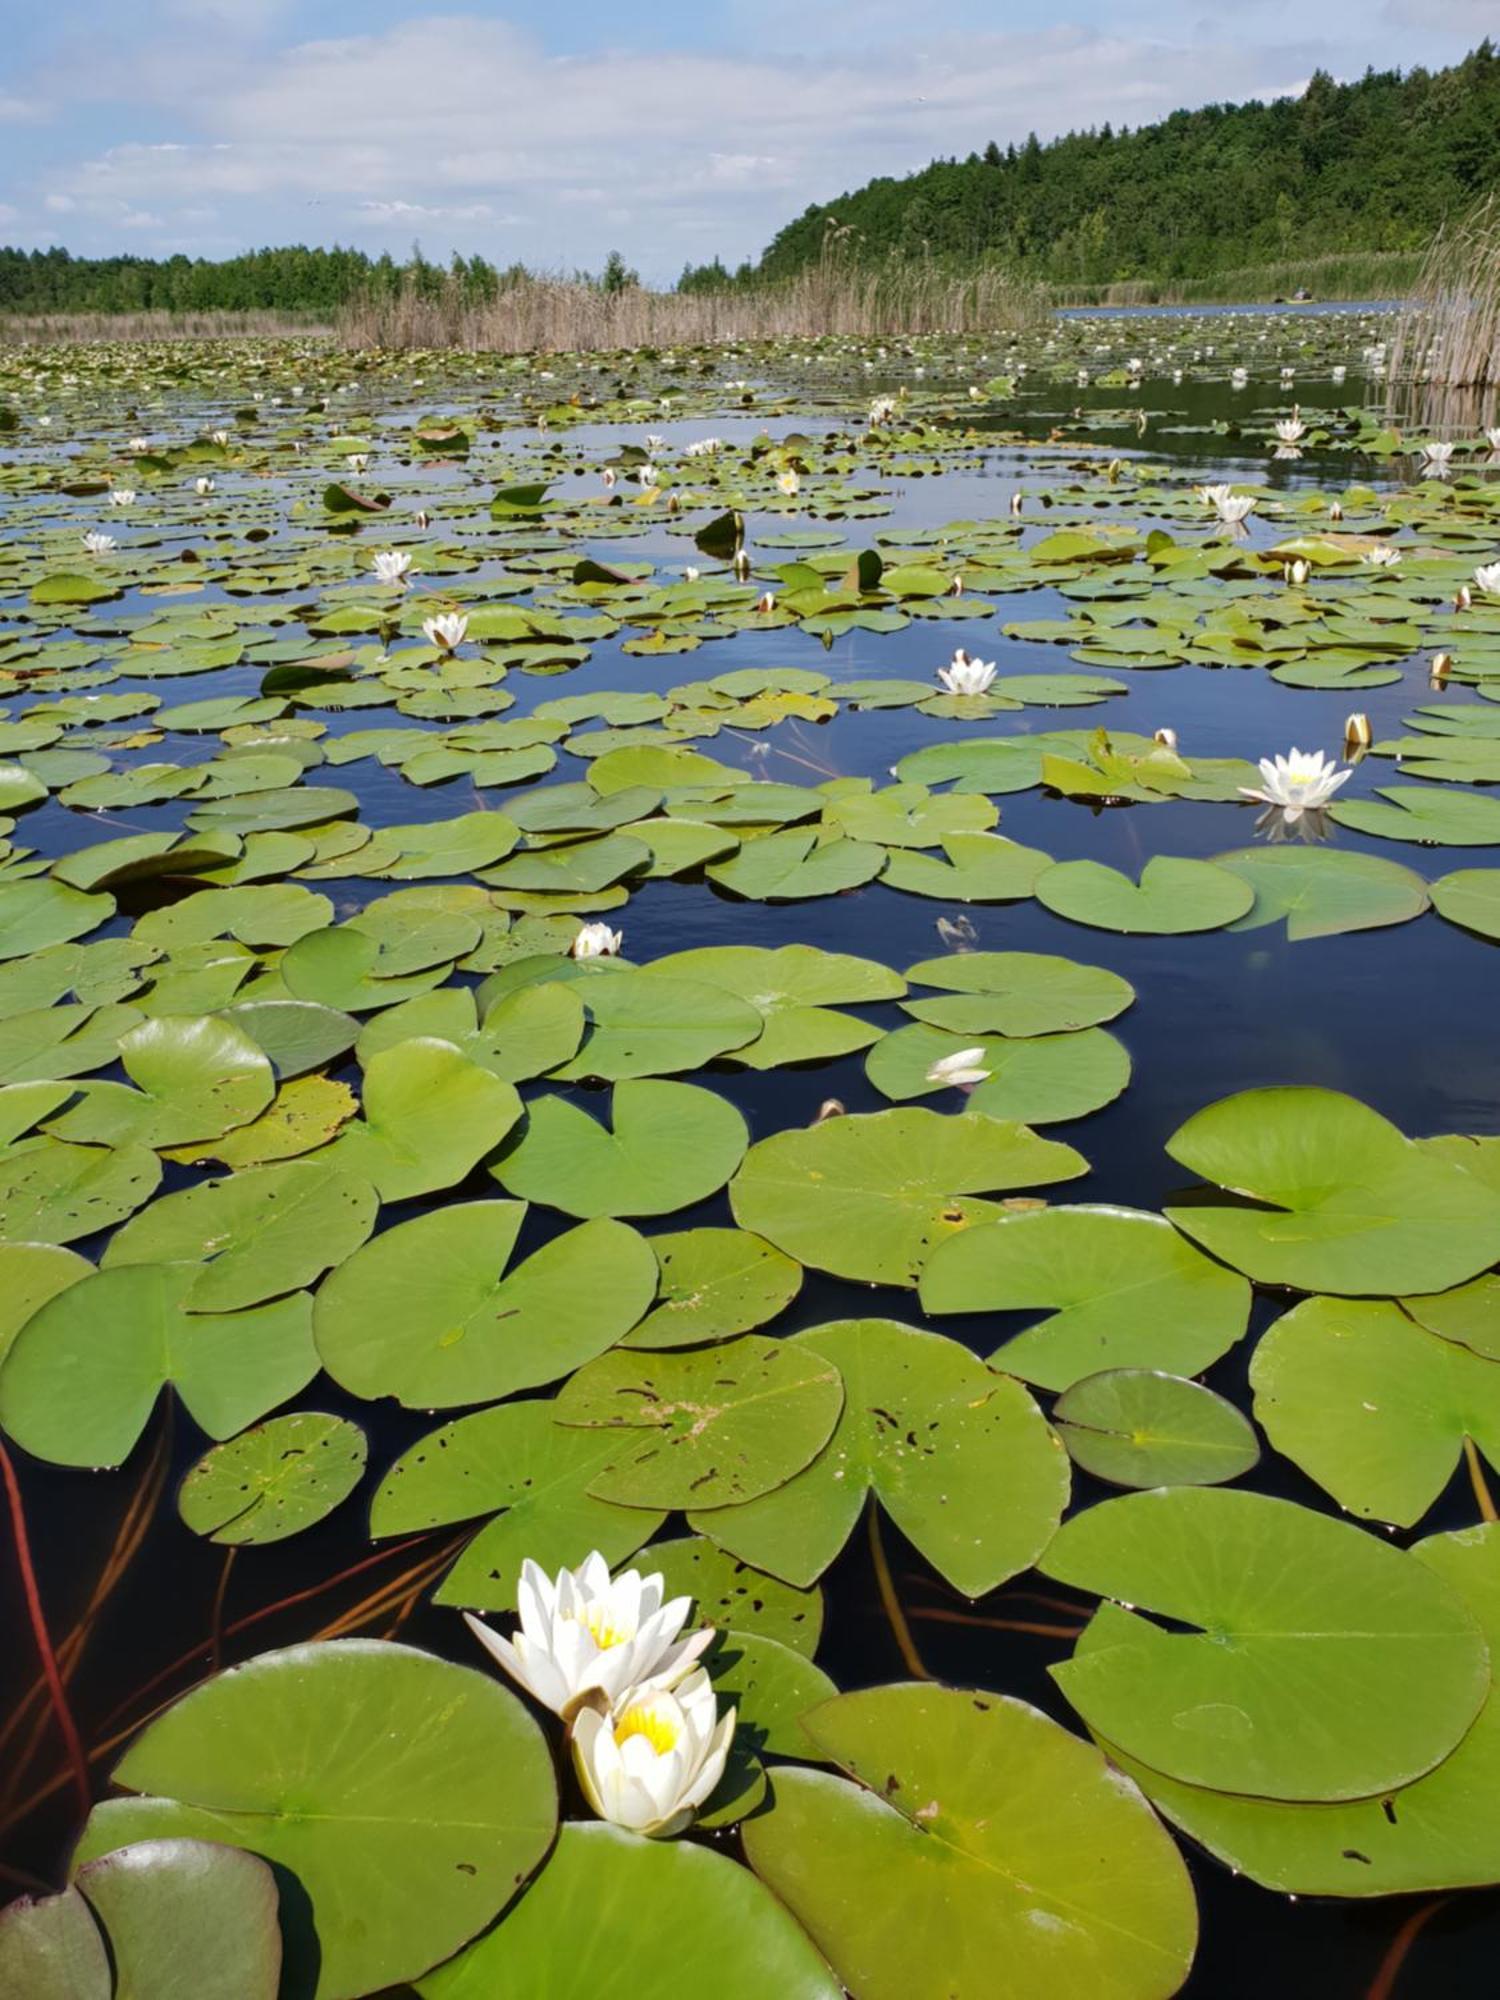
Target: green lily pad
[187, 1920]
[1139, 1427]
[872, 1197]
[83, 1375]
[715, 1283]
[297, 1035]
[729, 1594]
[976, 868]
[669, 1145]
[653, 1024]
[704, 1427]
[1321, 1662]
[1371, 1405]
[600, 1908]
[1124, 1289]
[1324, 891]
[798, 989]
[30, 1275]
[976, 1834]
[51, 1192]
[794, 864]
[980, 1495]
[1435, 816]
[251, 1235]
[1353, 1206]
[1035, 1079]
[39, 913]
[1471, 897]
[426, 1312]
[430, 1116]
[1173, 897]
[405, 1796]
[197, 1077]
[273, 1481]
[1016, 993]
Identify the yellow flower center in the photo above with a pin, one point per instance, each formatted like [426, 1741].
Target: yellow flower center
[656, 1722]
[600, 1622]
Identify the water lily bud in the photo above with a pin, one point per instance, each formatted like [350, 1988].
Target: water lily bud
[766, 601]
[829, 1108]
[1464, 598]
[1336, 512]
[1015, 503]
[608, 475]
[1357, 732]
[1167, 738]
[741, 565]
[1442, 666]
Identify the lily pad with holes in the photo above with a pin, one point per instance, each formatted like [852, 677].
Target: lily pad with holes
[704, 1427]
[733, 1596]
[872, 1197]
[273, 1481]
[51, 1192]
[959, 1457]
[715, 1283]
[428, 1313]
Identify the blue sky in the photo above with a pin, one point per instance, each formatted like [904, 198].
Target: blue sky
[552, 133]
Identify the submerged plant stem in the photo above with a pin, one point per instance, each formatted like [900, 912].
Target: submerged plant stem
[940, 1615]
[1383, 1985]
[1479, 1483]
[65, 1723]
[216, 1617]
[888, 1597]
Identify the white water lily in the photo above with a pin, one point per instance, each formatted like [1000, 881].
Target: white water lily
[691, 574]
[1239, 378]
[1290, 430]
[607, 474]
[391, 566]
[966, 675]
[97, 544]
[1487, 579]
[656, 1757]
[586, 1635]
[882, 409]
[1298, 783]
[203, 486]
[122, 496]
[220, 437]
[1296, 572]
[766, 602]
[788, 483]
[447, 630]
[1167, 738]
[357, 461]
[1382, 556]
[704, 447]
[1357, 731]
[648, 477]
[1235, 508]
[596, 941]
[1338, 373]
[138, 445]
[1437, 458]
[1492, 437]
[964, 1066]
[1214, 496]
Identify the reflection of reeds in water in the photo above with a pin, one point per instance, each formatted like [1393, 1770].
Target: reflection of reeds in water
[1449, 334]
[562, 315]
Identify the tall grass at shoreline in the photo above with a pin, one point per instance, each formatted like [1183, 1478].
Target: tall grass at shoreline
[563, 315]
[1350, 275]
[52, 329]
[1449, 334]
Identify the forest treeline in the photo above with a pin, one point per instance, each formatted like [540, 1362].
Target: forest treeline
[1372, 165]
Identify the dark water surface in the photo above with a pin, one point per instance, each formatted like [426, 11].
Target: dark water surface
[1405, 1021]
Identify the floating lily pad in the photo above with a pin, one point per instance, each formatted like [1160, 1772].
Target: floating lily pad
[1324, 891]
[668, 1145]
[715, 1283]
[872, 1197]
[1173, 897]
[732, 1595]
[1036, 1079]
[430, 1116]
[273, 1481]
[1139, 1427]
[798, 990]
[51, 1192]
[1016, 993]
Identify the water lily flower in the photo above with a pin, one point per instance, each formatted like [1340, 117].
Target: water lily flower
[1463, 598]
[1335, 510]
[1290, 430]
[220, 437]
[691, 574]
[422, 518]
[1436, 458]
[1213, 496]
[585, 1634]
[1442, 666]
[1239, 378]
[655, 445]
[596, 941]
[122, 496]
[648, 476]
[741, 565]
[882, 409]
[357, 461]
[964, 1066]
[607, 475]
[966, 675]
[655, 1758]
[1487, 579]
[1296, 572]
[391, 566]
[1339, 372]
[1167, 738]
[704, 447]
[138, 445]
[766, 602]
[1357, 732]
[1382, 556]
[1492, 437]
[788, 483]
[97, 544]
[1235, 509]
[203, 486]
[1297, 783]
[447, 630]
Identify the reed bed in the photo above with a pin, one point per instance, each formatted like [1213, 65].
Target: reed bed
[1354, 275]
[53, 329]
[1449, 334]
[561, 315]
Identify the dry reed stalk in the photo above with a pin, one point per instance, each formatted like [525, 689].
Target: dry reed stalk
[1449, 334]
[75, 329]
[557, 315]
